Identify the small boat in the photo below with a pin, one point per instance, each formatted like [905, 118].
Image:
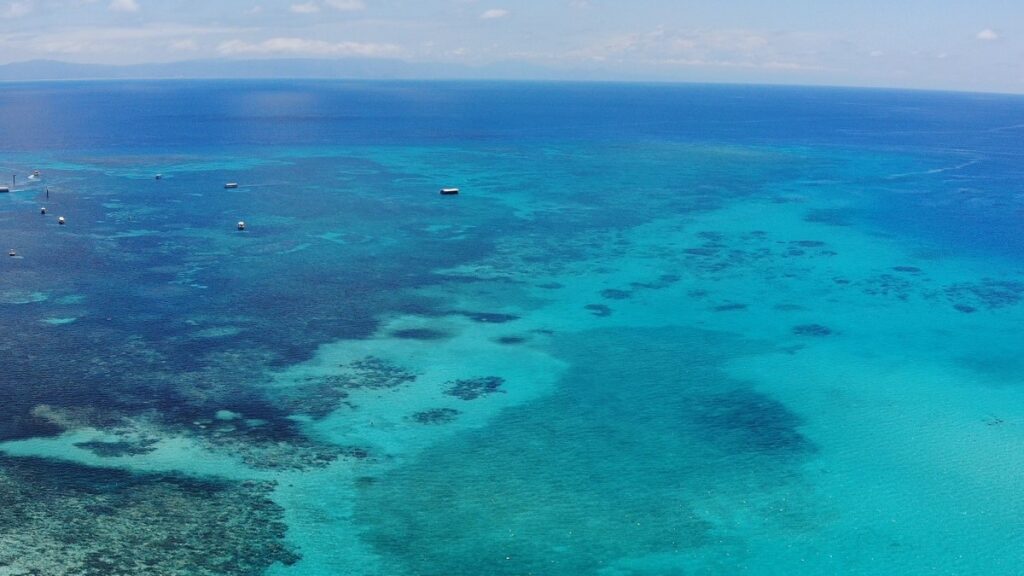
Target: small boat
[241, 225]
[12, 253]
[60, 221]
[449, 191]
[43, 210]
[4, 189]
[231, 185]
[159, 176]
[35, 175]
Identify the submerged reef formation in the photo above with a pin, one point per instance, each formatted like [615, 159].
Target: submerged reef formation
[662, 282]
[436, 416]
[988, 293]
[257, 443]
[572, 484]
[898, 287]
[318, 396]
[906, 282]
[473, 388]
[419, 334]
[719, 254]
[489, 317]
[119, 447]
[61, 520]
[616, 294]
[811, 330]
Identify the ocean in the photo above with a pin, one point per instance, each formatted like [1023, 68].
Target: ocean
[662, 330]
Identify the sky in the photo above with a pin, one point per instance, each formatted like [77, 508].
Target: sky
[974, 46]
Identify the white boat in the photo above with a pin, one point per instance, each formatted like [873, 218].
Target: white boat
[449, 191]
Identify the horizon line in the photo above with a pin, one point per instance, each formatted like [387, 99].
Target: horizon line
[524, 79]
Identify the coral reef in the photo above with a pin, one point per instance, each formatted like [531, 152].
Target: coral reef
[811, 330]
[318, 396]
[989, 292]
[419, 334]
[436, 416]
[119, 448]
[888, 285]
[61, 520]
[490, 317]
[719, 253]
[473, 388]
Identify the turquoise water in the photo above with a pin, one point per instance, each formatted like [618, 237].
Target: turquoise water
[663, 330]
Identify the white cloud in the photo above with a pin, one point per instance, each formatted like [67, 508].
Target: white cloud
[307, 8]
[346, 5]
[16, 10]
[707, 48]
[494, 13]
[123, 6]
[988, 35]
[109, 41]
[303, 46]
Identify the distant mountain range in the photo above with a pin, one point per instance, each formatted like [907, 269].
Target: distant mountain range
[354, 68]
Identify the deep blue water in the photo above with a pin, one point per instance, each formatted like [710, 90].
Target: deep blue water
[665, 329]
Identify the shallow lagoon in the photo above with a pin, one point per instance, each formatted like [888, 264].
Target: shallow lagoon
[663, 330]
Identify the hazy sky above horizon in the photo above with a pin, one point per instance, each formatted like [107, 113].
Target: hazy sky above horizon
[907, 43]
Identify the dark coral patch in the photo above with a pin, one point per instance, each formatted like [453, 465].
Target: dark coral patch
[118, 448]
[965, 308]
[436, 416]
[490, 317]
[732, 307]
[908, 269]
[989, 293]
[889, 285]
[751, 422]
[599, 310]
[811, 330]
[420, 334]
[511, 340]
[318, 396]
[663, 281]
[616, 294]
[64, 519]
[473, 388]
